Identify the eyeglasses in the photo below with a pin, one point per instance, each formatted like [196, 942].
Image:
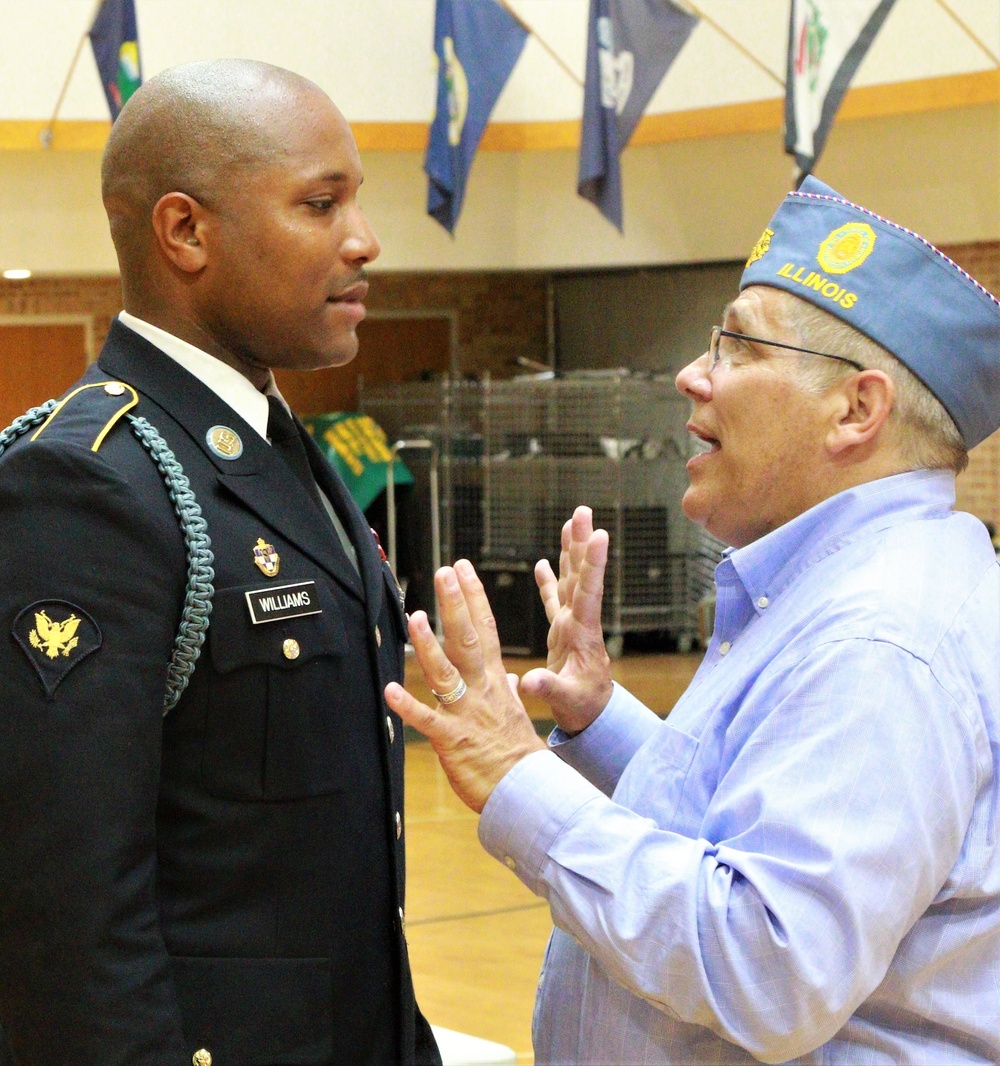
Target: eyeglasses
[717, 356]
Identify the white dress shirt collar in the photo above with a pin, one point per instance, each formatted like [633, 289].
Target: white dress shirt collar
[225, 381]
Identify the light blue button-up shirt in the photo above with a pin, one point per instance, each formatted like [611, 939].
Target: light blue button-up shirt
[803, 862]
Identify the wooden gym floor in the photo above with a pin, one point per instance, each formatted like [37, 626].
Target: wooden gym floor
[476, 934]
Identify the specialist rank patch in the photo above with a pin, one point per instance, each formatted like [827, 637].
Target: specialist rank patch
[56, 636]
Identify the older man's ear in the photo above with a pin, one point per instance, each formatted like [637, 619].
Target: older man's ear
[862, 405]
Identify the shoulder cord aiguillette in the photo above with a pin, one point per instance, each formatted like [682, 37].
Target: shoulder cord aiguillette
[200, 577]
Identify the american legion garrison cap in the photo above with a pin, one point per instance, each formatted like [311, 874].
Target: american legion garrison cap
[896, 288]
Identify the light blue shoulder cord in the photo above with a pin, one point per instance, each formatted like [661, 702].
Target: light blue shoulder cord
[198, 594]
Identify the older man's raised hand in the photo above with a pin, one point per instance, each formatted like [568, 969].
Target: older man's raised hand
[576, 683]
[481, 733]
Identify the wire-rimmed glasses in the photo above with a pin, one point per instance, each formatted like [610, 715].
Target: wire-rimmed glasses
[716, 355]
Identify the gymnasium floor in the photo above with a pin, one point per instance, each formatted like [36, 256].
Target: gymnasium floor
[476, 934]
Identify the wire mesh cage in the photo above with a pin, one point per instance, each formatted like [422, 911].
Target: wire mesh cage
[615, 441]
[446, 415]
[514, 458]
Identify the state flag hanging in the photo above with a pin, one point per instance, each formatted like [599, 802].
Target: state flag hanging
[114, 37]
[630, 47]
[477, 43]
[827, 39]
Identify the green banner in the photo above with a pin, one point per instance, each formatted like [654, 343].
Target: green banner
[359, 450]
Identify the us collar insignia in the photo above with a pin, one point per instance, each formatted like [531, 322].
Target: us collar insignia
[56, 636]
[224, 442]
[266, 558]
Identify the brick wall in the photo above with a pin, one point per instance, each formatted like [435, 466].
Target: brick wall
[99, 297]
[499, 316]
[979, 486]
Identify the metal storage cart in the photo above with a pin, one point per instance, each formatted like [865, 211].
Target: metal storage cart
[513, 458]
[447, 415]
[615, 441]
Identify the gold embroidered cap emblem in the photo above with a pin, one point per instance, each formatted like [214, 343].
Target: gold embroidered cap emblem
[54, 637]
[761, 246]
[846, 247]
[266, 558]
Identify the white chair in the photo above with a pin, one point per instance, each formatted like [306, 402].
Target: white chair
[460, 1049]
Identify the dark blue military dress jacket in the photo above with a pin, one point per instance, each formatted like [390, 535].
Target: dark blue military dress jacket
[228, 879]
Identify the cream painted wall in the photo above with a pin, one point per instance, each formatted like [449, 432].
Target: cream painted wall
[692, 201]
[688, 201]
[375, 57]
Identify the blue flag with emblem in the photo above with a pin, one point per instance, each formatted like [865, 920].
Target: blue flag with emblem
[827, 39]
[477, 43]
[114, 37]
[630, 47]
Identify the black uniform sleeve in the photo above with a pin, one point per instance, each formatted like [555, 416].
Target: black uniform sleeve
[93, 579]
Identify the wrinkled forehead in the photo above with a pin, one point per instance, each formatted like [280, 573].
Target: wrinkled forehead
[760, 310]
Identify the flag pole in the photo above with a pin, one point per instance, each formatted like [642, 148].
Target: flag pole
[46, 135]
[694, 9]
[548, 48]
[968, 30]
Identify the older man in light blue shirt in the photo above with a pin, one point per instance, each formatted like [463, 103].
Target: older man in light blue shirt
[802, 864]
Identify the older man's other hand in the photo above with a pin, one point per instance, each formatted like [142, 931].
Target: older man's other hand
[576, 684]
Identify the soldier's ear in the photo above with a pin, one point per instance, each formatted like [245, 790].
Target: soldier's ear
[179, 225]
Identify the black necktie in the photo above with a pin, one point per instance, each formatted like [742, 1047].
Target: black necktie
[284, 437]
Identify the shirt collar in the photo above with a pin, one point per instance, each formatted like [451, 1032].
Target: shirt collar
[769, 565]
[225, 381]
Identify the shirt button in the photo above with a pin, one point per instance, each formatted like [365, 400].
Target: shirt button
[378, 636]
[114, 388]
[724, 647]
[402, 920]
[399, 825]
[391, 728]
[290, 649]
[201, 1057]
[509, 862]
[763, 602]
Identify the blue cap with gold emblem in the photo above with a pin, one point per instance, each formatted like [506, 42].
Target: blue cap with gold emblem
[895, 287]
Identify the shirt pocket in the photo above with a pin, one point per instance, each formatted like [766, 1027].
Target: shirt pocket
[269, 730]
[653, 782]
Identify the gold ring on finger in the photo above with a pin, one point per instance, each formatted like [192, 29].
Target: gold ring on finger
[456, 693]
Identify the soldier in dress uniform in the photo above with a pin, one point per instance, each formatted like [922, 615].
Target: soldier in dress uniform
[201, 811]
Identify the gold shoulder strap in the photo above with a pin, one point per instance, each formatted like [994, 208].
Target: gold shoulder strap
[122, 398]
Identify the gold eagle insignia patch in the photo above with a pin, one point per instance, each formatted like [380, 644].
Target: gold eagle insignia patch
[56, 636]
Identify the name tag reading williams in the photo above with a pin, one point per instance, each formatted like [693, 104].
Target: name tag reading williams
[275, 602]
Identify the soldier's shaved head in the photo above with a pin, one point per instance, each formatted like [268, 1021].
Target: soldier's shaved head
[231, 189]
[194, 128]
